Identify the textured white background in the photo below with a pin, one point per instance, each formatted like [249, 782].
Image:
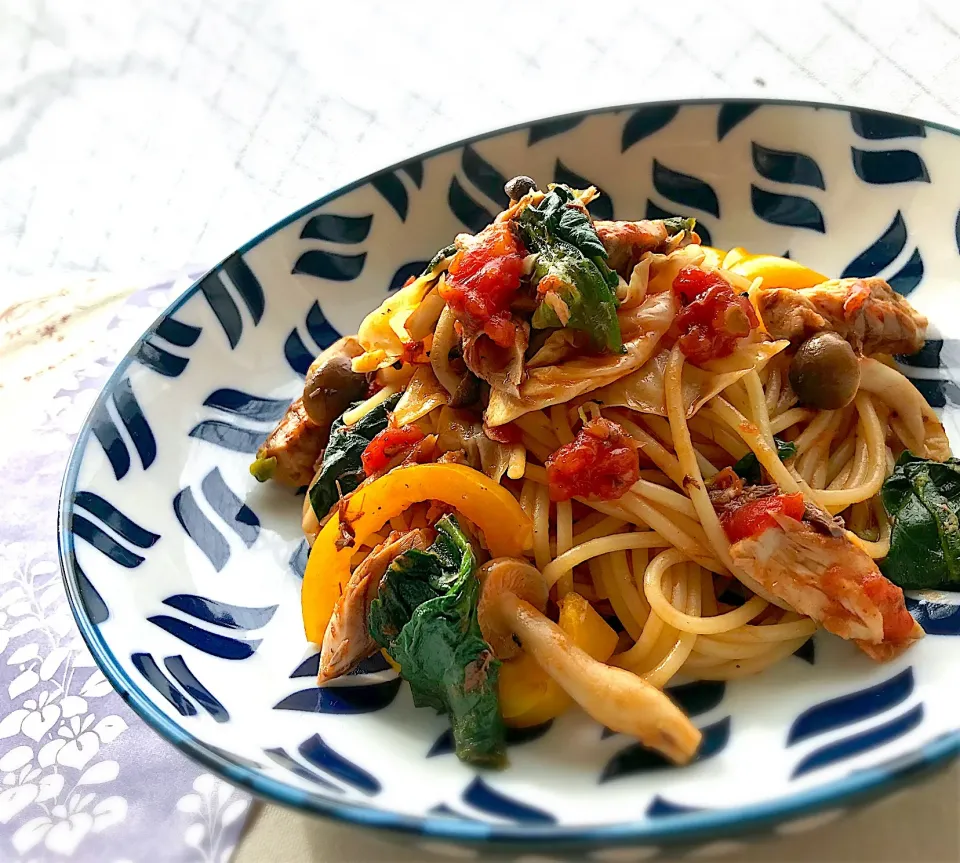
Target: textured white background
[138, 134]
[138, 137]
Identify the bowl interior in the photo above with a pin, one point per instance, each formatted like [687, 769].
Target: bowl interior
[185, 572]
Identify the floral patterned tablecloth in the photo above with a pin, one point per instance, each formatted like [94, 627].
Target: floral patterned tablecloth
[81, 778]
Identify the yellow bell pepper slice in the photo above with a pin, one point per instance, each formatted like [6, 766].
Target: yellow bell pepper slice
[712, 257]
[734, 256]
[777, 272]
[391, 661]
[580, 620]
[528, 695]
[524, 686]
[506, 528]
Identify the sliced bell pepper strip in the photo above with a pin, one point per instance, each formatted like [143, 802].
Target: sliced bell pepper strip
[712, 257]
[506, 528]
[777, 272]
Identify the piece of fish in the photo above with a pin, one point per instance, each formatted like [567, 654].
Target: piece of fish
[501, 367]
[833, 581]
[347, 640]
[626, 242]
[296, 443]
[868, 313]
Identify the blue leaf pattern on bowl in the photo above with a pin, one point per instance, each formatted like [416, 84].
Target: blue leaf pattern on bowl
[643, 122]
[936, 618]
[878, 127]
[391, 187]
[310, 667]
[179, 671]
[243, 404]
[782, 166]
[200, 529]
[105, 430]
[222, 302]
[807, 651]
[881, 253]
[414, 170]
[541, 131]
[109, 515]
[685, 189]
[337, 229]
[104, 543]
[484, 176]
[342, 700]
[473, 214]
[662, 808]
[636, 758]
[151, 672]
[162, 361]
[298, 560]
[209, 642]
[485, 799]
[92, 601]
[859, 743]
[330, 265]
[280, 756]
[909, 276]
[854, 707]
[789, 210]
[321, 756]
[177, 333]
[732, 115]
[221, 613]
[882, 167]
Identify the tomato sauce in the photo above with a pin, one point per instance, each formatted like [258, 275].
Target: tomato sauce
[713, 318]
[389, 443]
[755, 517]
[482, 280]
[897, 621]
[600, 464]
[506, 434]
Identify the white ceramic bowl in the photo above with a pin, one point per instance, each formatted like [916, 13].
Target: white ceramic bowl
[184, 573]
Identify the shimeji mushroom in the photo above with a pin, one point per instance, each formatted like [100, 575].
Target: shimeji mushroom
[512, 602]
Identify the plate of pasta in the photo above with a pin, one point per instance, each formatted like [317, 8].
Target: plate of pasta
[587, 483]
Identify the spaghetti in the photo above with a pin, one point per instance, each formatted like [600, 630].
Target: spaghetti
[695, 487]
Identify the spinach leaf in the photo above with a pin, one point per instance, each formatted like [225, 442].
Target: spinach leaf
[425, 615]
[676, 224]
[923, 499]
[748, 468]
[341, 459]
[435, 261]
[572, 256]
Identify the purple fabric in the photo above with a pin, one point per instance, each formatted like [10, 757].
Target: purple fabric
[81, 777]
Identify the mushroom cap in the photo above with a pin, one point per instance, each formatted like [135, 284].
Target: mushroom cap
[825, 372]
[500, 576]
[331, 383]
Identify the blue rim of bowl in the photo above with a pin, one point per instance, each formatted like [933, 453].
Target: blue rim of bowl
[694, 827]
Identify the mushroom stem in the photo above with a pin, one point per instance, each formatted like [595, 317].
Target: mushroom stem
[613, 696]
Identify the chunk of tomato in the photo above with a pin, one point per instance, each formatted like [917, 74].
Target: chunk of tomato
[601, 463]
[897, 621]
[755, 517]
[713, 318]
[482, 280]
[389, 443]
